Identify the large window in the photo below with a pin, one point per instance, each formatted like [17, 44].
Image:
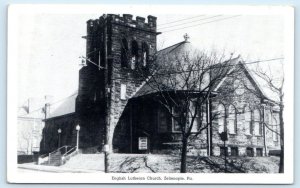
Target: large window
[248, 123]
[221, 118]
[257, 122]
[162, 120]
[232, 124]
[275, 129]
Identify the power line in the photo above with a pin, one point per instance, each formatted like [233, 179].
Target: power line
[201, 23]
[190, 22]
[215, 67]
[182, 20]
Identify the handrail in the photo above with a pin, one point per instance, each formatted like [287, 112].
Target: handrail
[58, 149]
[70, 151]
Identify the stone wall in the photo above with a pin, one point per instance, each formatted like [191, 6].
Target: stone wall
[243, 101]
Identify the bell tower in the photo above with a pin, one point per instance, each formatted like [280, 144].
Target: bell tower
[117, 47]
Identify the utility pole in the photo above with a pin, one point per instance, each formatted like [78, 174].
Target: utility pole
[107, 100]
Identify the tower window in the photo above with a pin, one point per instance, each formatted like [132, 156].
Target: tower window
[124, 53]
[145, 54]
[134, 54]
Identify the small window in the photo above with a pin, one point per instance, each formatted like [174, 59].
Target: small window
[234, 151]
[123, 92]
[223, 151]
[259, 152]
[249, 152]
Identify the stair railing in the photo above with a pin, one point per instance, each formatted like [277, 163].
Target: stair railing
[62, 150]
[73, 151]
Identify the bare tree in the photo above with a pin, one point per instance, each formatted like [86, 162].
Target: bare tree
[275, 85]
[183, 83]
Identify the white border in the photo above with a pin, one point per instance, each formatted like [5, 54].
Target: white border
[14, 177]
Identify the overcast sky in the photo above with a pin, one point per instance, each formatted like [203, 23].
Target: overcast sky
[50, 44]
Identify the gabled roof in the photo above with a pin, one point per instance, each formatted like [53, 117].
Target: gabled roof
[176, 49]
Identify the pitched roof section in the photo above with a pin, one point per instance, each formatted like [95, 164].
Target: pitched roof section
[176, 49]
[64, 107]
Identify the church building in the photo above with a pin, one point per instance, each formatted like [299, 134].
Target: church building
[115, 106]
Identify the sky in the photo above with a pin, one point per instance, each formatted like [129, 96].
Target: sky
[49, 45]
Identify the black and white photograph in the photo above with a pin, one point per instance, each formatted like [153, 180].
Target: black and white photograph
[150, 94]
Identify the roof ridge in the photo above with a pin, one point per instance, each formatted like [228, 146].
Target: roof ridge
[173, 45]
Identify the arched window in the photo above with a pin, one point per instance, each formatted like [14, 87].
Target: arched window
[256, 122]
[221, 118]
[248, 123]
[145, 54]
[232, 124]
[134, 54]
[124, 53]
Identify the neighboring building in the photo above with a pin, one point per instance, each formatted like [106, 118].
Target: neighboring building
[30, 125]
[116, 46]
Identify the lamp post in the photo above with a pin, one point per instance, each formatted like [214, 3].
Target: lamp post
[59, 132]
[77, 140]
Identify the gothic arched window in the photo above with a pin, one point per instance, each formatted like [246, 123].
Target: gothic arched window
[232, 124]
[134, 54]
[124, 53]
[145, 54]
[248, 123]
[221, 118]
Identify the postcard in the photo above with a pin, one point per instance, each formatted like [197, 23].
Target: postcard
[164, 94]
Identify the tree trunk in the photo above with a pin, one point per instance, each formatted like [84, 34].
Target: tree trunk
[183, 155]
[281, 124]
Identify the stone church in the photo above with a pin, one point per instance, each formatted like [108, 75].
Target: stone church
[113, 99]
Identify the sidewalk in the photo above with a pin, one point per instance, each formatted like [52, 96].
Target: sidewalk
[54, 169]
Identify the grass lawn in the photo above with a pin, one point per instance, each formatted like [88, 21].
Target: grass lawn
[134, 163]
